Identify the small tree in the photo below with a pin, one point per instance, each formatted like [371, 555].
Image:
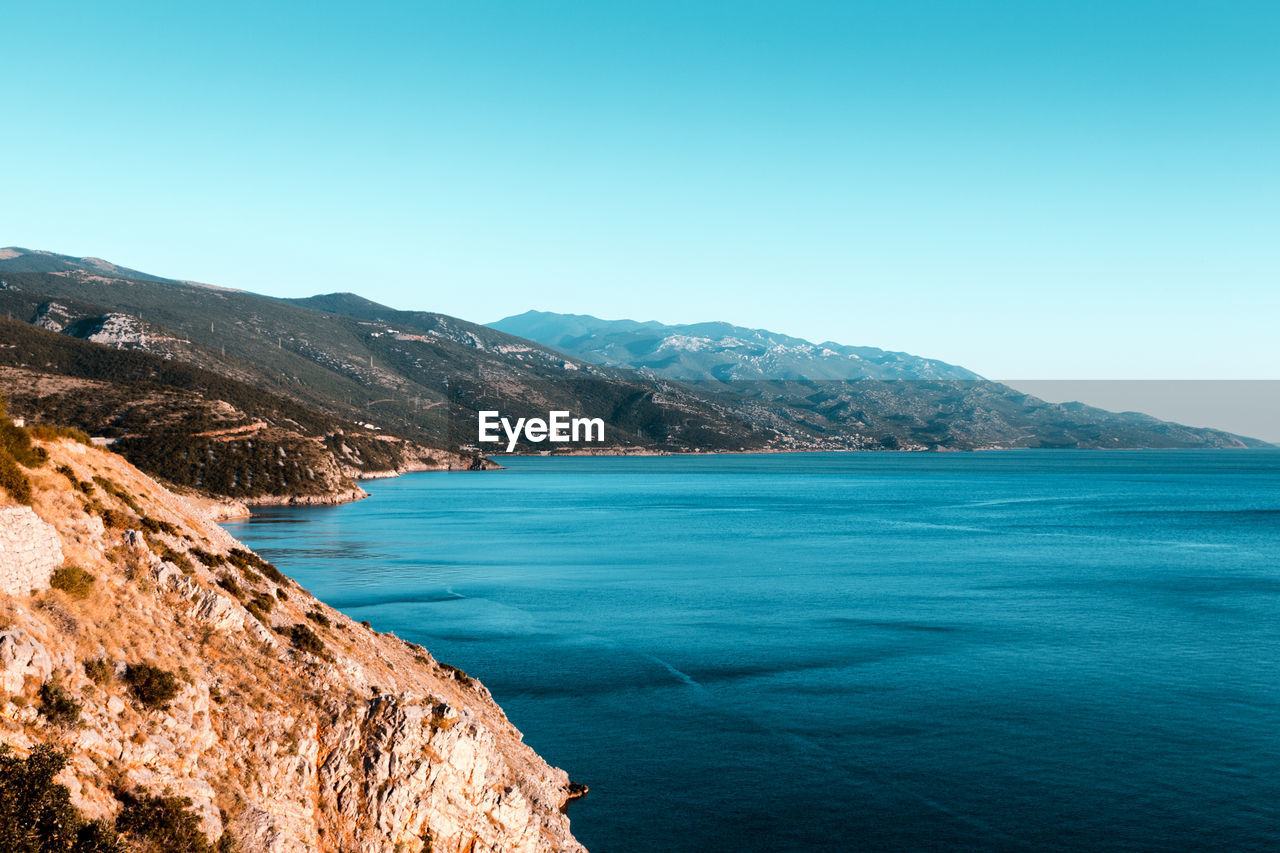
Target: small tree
[152, 686]
[58, 706]
[36, 814]
[162, 824]
[304, 639]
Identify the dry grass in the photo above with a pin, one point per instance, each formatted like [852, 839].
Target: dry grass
[52, 605]
[131, 618]
[73, 580]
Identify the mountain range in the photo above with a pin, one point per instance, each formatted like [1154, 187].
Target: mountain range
[864, 396]
[268, 399]
[719, 352]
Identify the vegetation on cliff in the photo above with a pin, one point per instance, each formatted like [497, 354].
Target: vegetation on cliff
[37, 815]
[190, 426]
[16, 453]
[191, 697]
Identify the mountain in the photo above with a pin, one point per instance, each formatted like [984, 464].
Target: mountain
[341, 386]
[832, 394]
[720, 352]
[272, 400]
[191, 697]
[15, 259]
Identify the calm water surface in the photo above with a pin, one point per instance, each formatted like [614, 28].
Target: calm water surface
[1012, 651]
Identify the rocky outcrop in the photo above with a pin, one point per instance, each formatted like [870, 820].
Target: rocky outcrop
[23, 661]
[54, 317]
[337, 496]
[291, 729]
[30, 550]
[116, 330]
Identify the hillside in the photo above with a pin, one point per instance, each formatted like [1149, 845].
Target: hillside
[851, 396]
[412, 382]
[200, 700]
[196, 428]
[416, 375]
[16, 259]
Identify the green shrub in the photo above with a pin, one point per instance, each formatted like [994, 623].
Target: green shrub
[319, 618]
[97, 836]
[229, 584]
[73, 580]
[457, 674]
[155, 525]
[14, 480]
[16, 449]
[306, 640]
[36, 815]
[115, 491]
[272, 572]
[16, 442]
[208, 558]
[45, 432]
[281, 594]
[109, 486]
[100, 670]
[239, 557]
[58, 706]
[152, 686]
[162, 823]
[83, 486]
[179, 559]
[113, 518]
[260, 605]
[242, 559]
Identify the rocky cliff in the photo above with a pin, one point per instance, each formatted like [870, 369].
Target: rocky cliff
[167, 660]
[30, 550]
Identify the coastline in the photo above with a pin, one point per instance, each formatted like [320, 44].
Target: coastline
[231, 509]
[343, 731]
[343, 497]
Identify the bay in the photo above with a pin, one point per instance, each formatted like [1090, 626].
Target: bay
[1049, 650]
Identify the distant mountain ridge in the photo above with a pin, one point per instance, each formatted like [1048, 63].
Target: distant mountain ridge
[864, 396]
[269, 399]
[718, 351]
[17, 259]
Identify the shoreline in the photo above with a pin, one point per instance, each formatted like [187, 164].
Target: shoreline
[230, 509]
[314, 727]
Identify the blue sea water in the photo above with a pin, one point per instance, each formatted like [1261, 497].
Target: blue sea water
[1035, 650]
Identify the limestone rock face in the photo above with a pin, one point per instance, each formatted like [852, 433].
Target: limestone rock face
[30, 550]
[53, 317]
[343, 741]
[22, 657]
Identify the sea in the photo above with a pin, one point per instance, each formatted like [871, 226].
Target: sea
[1016, 650]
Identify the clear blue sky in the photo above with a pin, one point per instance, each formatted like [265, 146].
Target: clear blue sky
[1032, 189]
